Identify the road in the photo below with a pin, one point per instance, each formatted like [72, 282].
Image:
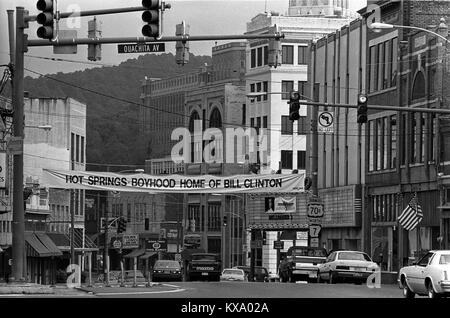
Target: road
[251, 290]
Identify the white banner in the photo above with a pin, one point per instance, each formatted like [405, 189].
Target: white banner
[141, 182]
[3, 168]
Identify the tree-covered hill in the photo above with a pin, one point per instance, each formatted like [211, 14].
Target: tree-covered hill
[112, 123]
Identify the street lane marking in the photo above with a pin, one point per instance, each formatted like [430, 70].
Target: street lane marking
[141, 293]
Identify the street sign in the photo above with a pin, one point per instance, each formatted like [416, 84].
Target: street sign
[141, 48]
[157, 245]
[15, 145]
[130, 241]
[315, 210]
[314, 230]
[325, 122]
[278, 245]
[302, 235]
[314, 242]
[117, 244]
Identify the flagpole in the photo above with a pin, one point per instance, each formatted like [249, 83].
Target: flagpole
[419, 244]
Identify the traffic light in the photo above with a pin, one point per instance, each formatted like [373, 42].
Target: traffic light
[152, 17]
[121, 225]
[182, 47]
[45, 18]
[225, 220]
[362, 109]
[308, 183]
[294, 105]
[274, 50]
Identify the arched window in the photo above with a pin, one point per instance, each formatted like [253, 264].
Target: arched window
[215, 120]
[192, 119]
[419, 86]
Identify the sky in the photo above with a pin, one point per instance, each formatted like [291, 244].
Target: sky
[205, 17]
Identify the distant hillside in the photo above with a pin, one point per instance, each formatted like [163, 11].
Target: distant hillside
[112, 125]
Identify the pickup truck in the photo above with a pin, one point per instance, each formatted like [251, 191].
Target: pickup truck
[204, 266]
[304, 263]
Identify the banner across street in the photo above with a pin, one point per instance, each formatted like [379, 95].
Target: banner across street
[141, 182]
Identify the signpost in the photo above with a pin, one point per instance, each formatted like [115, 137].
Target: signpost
[278, 245]
[157, 245]
[117, 244]
[314, 230]
[130, 241]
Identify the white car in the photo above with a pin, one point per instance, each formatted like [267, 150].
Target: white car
[233, 275]
[429, 276]
[347, 265]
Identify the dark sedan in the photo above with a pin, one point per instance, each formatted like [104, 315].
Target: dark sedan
[167, 270]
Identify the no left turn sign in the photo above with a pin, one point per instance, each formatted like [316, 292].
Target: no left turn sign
[325, 122]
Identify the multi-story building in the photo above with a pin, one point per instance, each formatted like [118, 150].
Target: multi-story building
[368, 173]
[328, 8]
[219, 103]
[405, 151]
[286, 140]
[55, 138]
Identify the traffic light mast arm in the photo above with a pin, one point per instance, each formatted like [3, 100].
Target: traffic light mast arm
[115, 40]
[87, 13]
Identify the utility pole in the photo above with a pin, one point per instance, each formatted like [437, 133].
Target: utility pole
[18, 239]
[315, 141]
[72, 226]
[105, 243]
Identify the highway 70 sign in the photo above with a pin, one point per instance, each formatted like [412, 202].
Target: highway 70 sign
[315, 210]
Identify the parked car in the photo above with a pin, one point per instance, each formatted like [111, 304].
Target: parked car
[347, 265]
[233, 275]
[167, 270]
[261, 273]
[429, 276]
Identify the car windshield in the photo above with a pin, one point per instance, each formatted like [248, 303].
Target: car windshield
[204, 257]
[232, 272]
[445, 259]
[167, 264]
[353, 256]
[309, 260]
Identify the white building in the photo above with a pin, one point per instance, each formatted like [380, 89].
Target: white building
[286, 142]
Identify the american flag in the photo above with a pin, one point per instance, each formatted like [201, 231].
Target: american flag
[411, 215]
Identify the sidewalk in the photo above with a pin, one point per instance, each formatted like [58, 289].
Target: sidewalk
[36, 289]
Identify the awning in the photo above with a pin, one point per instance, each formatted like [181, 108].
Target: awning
[147, 255]
[40, 245]
[62, 241]
[135, 253]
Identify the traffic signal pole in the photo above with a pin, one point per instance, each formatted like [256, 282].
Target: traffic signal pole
[18, 233]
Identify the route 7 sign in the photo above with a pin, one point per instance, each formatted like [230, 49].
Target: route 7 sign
[314, 230]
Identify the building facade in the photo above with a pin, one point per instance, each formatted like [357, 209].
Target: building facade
[286, 140]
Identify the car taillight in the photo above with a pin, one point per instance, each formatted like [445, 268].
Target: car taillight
[445, 275]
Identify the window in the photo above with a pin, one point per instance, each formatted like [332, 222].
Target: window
[301, 159]
[419, 86]
[302, 126]
[244, 114]
[286, 87]
[253, 58]
[286, 159]
[379, 135]
[260, 56]
[387, 64]
[413, 138]
[287, 125]
[431, 138]
[403, 139]
[252, 122]
[371, 67]
[214, 221]
[394, 62]
[77, 149]
[302, 55]
[381, 63]
[266, 55]
[287, 52]
[393, 141]
[265, 89]
[371, 144]
[265, 122]
[258, 124]
[258, 89]
[72, 147]
[424, 260]
[82, 150]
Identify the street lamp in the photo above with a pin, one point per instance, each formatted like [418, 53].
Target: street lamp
[378, 26]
